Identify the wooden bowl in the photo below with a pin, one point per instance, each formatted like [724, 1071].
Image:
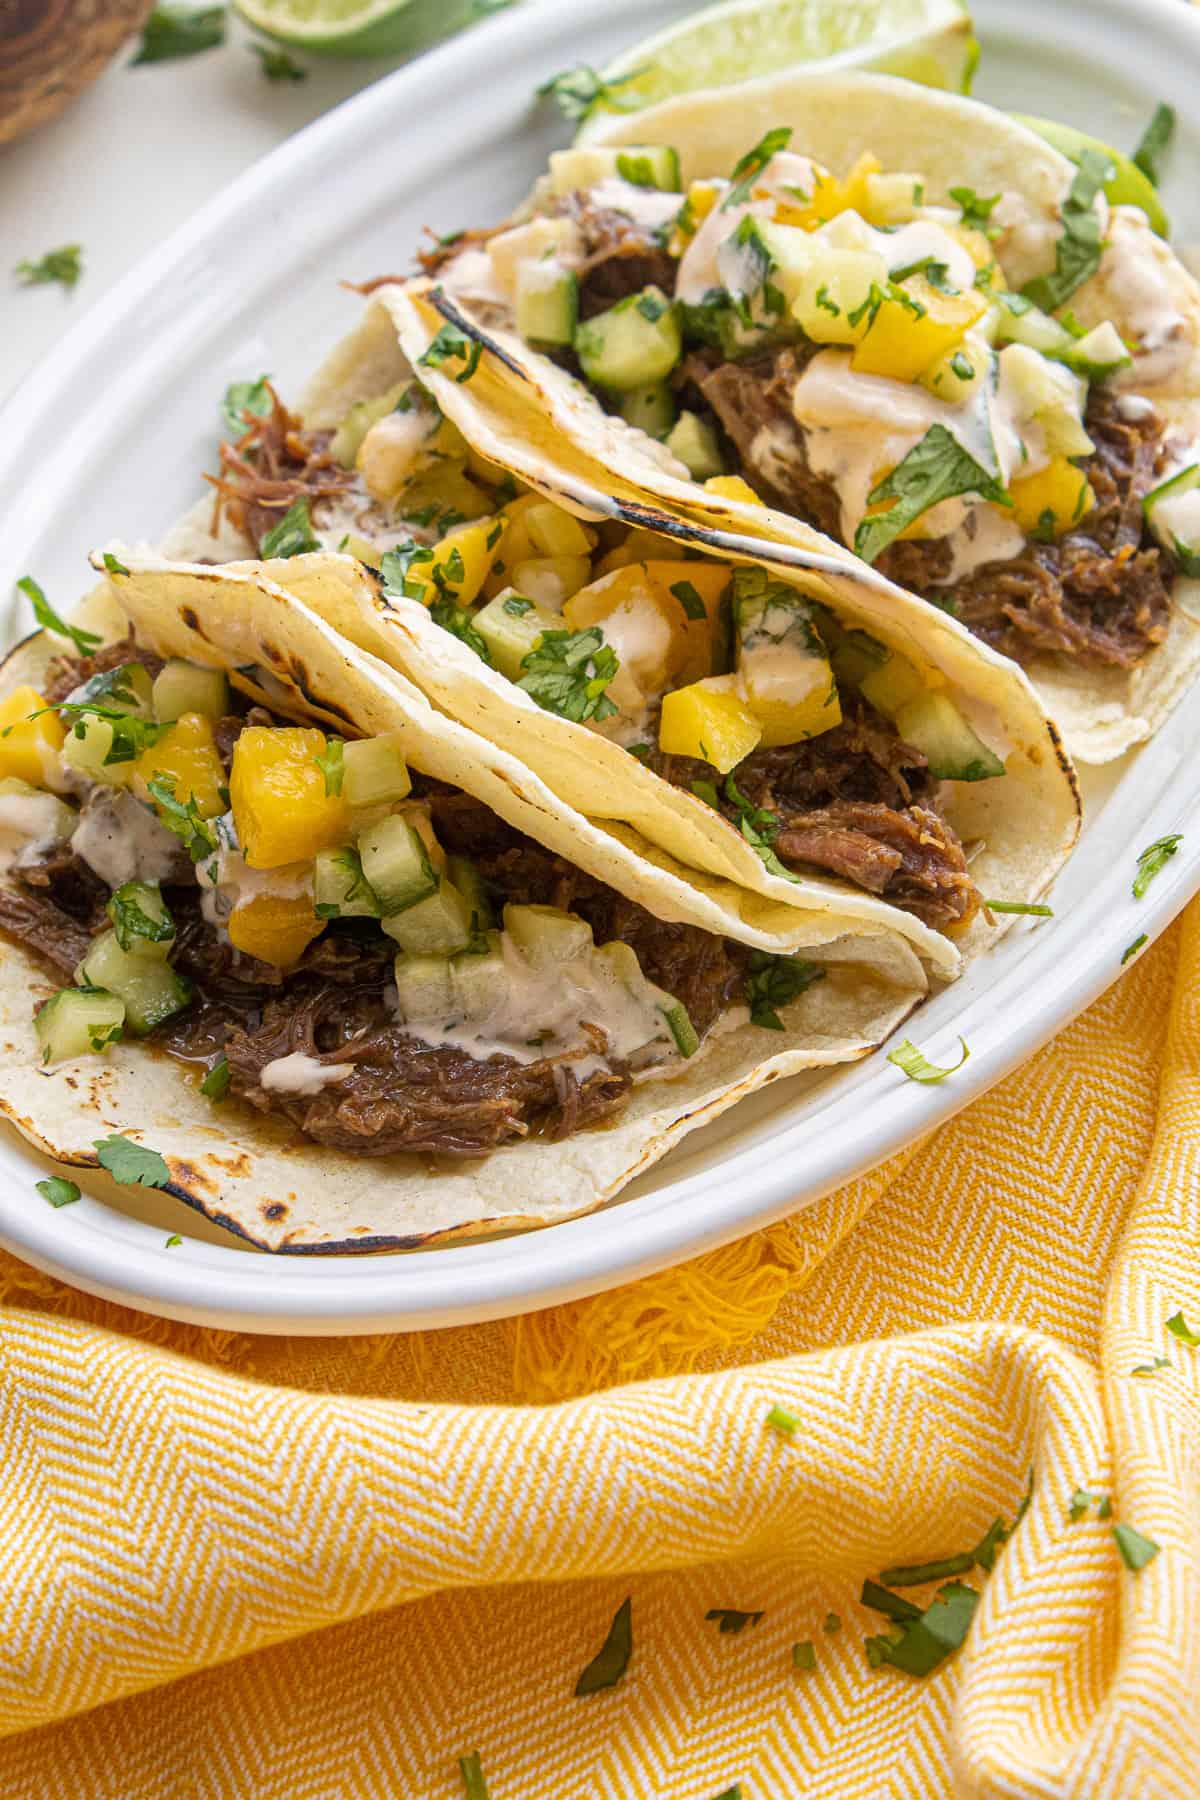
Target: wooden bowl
[50, 50]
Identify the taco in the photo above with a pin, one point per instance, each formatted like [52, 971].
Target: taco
[912, 326]
[353, 973]
[774, 724]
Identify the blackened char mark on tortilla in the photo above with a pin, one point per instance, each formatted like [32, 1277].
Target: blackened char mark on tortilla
[1101, 594]
[857, 802]
[620, 256]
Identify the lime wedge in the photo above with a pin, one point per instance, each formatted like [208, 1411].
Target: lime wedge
[359, 27]
[930, 41]
[1128, 187]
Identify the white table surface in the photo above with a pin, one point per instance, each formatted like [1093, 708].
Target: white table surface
[131, 158]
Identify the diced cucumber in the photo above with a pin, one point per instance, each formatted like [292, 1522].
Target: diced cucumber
[345, 442]
[78, 1020]
[340, 889]
[853, 653]
[634, 343]
[479, 980]
[651, 409]
[1098, 354]
[466, 878]
[424, 988]
[439, 925]
[150, 988]
[1049, 392]
[88, 742]
[142, 920]
[374, 772]
[1172, 511]
[396, 864]
[933, 725]
[1015, 322]
[545, 935]
[555, 532]
[619, 960]
[547, 304]
[644, 165]
[679, 1023]
[511, 626]
[892, 684]
[187, 687]
[693, 440]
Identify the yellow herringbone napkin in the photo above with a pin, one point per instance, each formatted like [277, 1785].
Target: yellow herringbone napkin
[245, 1569]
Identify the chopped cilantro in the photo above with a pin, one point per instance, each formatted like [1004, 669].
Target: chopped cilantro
[641, 751]
[133, 1165]
[909, 1060]
[1153, 142]
[112, 565]
[730, 1621]
[517, 606]
[1151, 1368]
[936, 469]
[612, 1659]
[1046, 529]
[58, 1191]
[976, 209]
[332, 763]
[131, 921]
[749, 167]
[197, 834]
[172, 31]
[1132, 949]
[1077, 253]
[471, 1769]
[924, 1641]
[457, 621]
[690, 600]
[172, 1241]
[63, 265]
[707, 791]
[962, 366]
[1136, 1549]
[1179, 1328]
[826, 304]
[1153, 859]
[215, 1085]
[990, 1544]
[776, 981]
[568, 672]
[915, 1574]
[452, 344]
[784, 1422]
[276, 65]
[804, 1655]
[892, 1606]
[396, 583]
[84, 641]
[1082, 1500]
[581, 91]
[832, 1623]
[242, 401]
[293, 536]
[1020, 906]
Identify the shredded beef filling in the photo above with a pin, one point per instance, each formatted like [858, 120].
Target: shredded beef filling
[857, 802]
[273, 464]
[399, 1094]
[1100, 594]
[621, 257]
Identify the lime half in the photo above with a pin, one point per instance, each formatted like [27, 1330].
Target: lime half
[359, 27]
[931, 41]
[1128, 187]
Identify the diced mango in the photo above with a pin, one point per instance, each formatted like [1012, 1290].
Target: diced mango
[280, 807]
[439, 488]
[709, 720]
[555, 532]
[29, 747]
[898, 681]
[276, 928]
[645, 624]
[904, 339]
[1054, 499]
[461, 562]
[185, 755]
[515, 545]
[732, 487]
[891, 199]
[835, 298]
[551, 579]
[790, 716]
[701, 198]
[831, 196]
[639, 545]
[681, 583]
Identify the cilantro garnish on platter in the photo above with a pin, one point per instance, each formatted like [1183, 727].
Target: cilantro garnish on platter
[1153, 859]
[56, 1190]
[612, 1659]
[173, 31]
[64, 265]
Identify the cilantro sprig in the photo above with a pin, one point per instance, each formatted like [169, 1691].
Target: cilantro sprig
[243, 401]
[84, 641]
[1152, 145]
[568, 672]
[197, 834]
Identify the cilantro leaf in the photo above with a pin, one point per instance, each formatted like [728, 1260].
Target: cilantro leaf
[243, 400]
[331, 762]
[730, 1620]
[1151, 1368]
[133, 1165]
[581, 91]
[776, 981]
[1179, 1328]
[395, 581]
[84, 641]
[749, 167]
[451, 343]
[758, 826]
[567, 673]
[804, 1655]
[1132, 949]
[276, 65]
[924, 1642]
[457, 620]
[63, 265]
[197, 834]
[832, 1623]
[1136, 1549]
[471, 1769]
[976, 210]
[909, 1060]
[689, 599]
[1153, 142]
[131, 921]
[172, 1241]
[915, 1574]
[58, 1191]
[1153, 859]
[936, 469]
[174, 30]
[293, 535]
[1077, 253]
[112, 565]
[612, 1659]
[784, 1422]
[1021, 907]
[215, 1085]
